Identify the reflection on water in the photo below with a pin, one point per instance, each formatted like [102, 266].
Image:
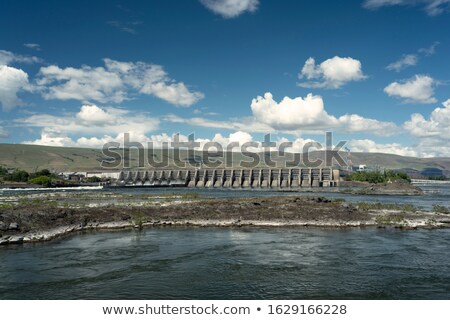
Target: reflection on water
[247, 263]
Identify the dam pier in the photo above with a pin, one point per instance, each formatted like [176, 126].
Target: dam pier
[230, 178]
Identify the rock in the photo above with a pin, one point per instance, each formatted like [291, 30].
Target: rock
[13, 226]
[16, 239]
[3, 226]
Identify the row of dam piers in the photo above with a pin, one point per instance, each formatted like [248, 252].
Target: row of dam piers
[230, 178]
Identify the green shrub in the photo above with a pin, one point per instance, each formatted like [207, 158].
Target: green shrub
[17, 176]
[93, 179]
[3, 171]
[378, 177]
[42, 180]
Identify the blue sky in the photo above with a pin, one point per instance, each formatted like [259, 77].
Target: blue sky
[374, 72]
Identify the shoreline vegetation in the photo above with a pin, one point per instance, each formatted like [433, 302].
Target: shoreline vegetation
[381, 183]
[40, 217]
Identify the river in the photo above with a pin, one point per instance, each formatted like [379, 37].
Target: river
[236, 263]
[254, 263]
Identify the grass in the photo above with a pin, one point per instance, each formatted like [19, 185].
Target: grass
[191, 196]
[390, 219]
[441, 209]
[138, 219]
[6, 205]
[367, 206]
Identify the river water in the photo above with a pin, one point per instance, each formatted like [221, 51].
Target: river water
[236, 263]
[253, 263]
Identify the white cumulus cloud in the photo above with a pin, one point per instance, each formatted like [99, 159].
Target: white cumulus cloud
[12, 81]
[308, 115]
[92, 120]
[366, 145]
[113, 83]
[332, 73]
[83, 84]
[432, 134]
[418, 89]
[230, 8]
[7, 57]
[437, 126]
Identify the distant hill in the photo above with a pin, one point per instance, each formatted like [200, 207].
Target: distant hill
[33, 158]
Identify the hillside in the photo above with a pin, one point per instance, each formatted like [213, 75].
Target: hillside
[33, 158]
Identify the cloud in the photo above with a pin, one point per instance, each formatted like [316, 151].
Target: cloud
[366, 145]
[231, 8]
[332, 73]
[432, 134]
[113, 82]
[203, 111]
[58, 138]
[408, 60]
[418, 89]
[242, 124]
[405, 61]
[430, 50]
[7, 57]
[86, 83]
[12, 81]
[95, 116]
[33, 46]
[93, 120]
[293, 116]
[239, 136]
[309, 115]
[128, 27]
[432, 7]
[437, 126]
[3, 133]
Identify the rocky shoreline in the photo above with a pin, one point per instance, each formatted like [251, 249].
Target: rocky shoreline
[25, 220]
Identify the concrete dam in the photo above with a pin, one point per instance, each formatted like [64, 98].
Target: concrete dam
[230, 178]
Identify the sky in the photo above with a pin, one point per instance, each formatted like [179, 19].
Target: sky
[82, 73]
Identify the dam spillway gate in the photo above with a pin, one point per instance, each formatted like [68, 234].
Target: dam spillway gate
[230, 178]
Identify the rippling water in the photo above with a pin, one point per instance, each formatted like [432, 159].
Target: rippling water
[245, 263]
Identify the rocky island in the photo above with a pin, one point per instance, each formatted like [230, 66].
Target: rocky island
[41, 217]
[391, 188]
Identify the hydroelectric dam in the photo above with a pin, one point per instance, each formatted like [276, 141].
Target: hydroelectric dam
[230, 178]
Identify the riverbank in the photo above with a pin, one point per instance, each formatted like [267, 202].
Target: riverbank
[33, 218]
